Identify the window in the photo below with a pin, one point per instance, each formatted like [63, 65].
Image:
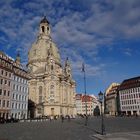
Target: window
[8, 94]
[0, 91]
[2, 72]
[14, 87]
[39, 111]
[43, 29]
[12, 105]
[1, 81]
[9, 74]
[17, 87]
[6, 73]
[7, 103]
[13, 96]
[16, 106]
[0, 103]
[9, 83]
[3, 104]
[5, 82]
[25, 106]
[40, 94]
[4, 93]
[52, 87]
[51, 67]
[19, 97]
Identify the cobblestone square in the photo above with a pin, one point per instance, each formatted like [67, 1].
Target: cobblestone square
[126, 128]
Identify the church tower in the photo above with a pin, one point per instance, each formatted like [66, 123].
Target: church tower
[18, 59]
[51, 86]
[44, 29]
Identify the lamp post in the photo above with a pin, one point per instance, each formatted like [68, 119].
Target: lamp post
[83, 70]
[102, 123]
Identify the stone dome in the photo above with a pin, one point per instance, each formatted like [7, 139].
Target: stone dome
[39, 51]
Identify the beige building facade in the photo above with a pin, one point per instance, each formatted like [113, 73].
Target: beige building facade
[6, 73]
[51, 87]
[111, 99]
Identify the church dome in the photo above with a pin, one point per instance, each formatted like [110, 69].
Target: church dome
[40, 49]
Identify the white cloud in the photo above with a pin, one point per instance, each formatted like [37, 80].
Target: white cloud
[78, 33]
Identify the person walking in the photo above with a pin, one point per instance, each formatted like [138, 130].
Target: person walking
[62, 118]
[68, 118]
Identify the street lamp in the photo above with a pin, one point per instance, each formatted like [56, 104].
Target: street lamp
[83, 70]
[101, 96]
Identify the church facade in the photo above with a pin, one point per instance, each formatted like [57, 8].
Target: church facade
[51, 87]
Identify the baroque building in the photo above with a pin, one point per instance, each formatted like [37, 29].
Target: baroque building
[51, 88]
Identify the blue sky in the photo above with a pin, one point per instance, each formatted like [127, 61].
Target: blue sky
[104, 34]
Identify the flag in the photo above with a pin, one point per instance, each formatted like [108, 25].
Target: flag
[83, 67]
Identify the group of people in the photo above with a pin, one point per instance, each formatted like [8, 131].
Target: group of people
[61, 117]
[67, 117]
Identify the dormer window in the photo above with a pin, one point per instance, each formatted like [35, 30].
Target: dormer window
[43, 29]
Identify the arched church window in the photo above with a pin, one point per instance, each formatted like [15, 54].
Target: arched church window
[40, 90]
[52, 92]
[40, 94]
[52, 87]
[43, 29]
[51, 67]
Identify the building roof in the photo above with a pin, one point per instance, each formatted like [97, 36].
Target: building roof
[78, 96]
[87, 98]
[8, 63]
[112, 88]
[130, 83]
[44, 20]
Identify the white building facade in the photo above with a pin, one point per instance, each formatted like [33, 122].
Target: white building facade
[86, 104]
[19, 96]
[19, 101]
[129, 94]
[78, 101]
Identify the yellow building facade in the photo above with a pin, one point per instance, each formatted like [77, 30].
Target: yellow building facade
[51, 86]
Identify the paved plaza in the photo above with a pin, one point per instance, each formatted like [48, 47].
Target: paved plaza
[117, 128]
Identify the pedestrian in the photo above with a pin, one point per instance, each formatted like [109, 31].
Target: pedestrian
[68, 118]
[136, 115]
[51, 118]
[62, 118]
